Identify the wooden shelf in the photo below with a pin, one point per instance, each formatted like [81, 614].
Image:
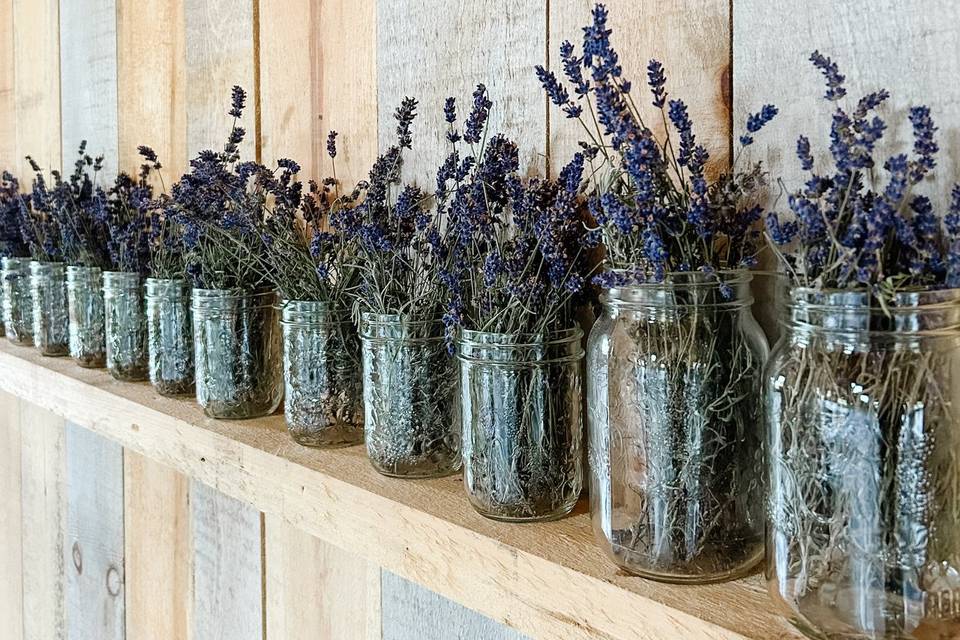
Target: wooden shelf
[547, 580]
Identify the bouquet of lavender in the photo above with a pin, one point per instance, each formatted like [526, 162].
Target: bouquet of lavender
[863, 499]
[75, 203]
[13, 252]
[674, 364]
[126, 210]
[39, 220]
[12, 210]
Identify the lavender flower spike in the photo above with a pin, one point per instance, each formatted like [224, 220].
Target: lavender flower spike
[757, 121]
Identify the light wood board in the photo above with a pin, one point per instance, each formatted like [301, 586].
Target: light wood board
[11, 565]
[8, 108]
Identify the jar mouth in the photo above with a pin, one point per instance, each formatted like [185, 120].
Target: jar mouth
[519, 350]
[311, 312]
[490, 339]
[230, 299]
[931, 311]
[77, 269]
[396, 318]
[18, 261]
[122, 278]
[686, 289]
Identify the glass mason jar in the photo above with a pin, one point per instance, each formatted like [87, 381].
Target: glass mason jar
[863, 463]
[85, 302]
[411, 420]
[522, 422]
[170, 336]
[126, 326]
[321, 371]
[674, 373]
[236, 343]
[17, 301]
[51, 324]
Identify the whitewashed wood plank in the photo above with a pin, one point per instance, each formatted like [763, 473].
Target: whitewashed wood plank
[8, 105]
[11, 563]
[227, 567]
[93, 549]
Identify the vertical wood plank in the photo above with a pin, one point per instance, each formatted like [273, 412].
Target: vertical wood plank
[36, 54]
[43, 517]
[227, 567]
[8, 120]
[88, 80]
[93, 549]
[438, 48]
[11, 566]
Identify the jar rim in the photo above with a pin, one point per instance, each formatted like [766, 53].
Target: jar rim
[372, 318]
[498, 339]
[862, 299]
[231, 294]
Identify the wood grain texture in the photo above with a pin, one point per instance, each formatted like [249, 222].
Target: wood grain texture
[8, 105]
[411, 612]
[11, 562]
[151, 81]
[93, 545]
[317, 590]
[157, 549]
[43, 515]
[432, 49]
[220, 53]
[227, 564]
[546, 580]
[36, 55]
[692, 40]
[88, 80]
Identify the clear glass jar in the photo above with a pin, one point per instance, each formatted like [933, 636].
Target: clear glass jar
[674, 374]
[411, 420]
[126, 326]
[17, 301]
[51, 323]
[521, 415]
[238, 364]
[170, 336]
[323, 398]
[85, 302]
[863, 462]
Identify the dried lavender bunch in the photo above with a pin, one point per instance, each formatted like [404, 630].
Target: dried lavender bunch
[165, 242]
[39, 220]
[651, 198]
[12, 208]
[125, 211]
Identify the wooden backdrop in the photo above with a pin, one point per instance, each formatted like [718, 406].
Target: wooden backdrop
[112, 545]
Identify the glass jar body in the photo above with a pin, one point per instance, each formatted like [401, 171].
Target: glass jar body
[169, 336]
[675, 435]
[411, 424]
[126, 326]
[862, 463]
[17, 301]
[51, 319]
[322, 375]
[85, 300]
[238, 362]
[521, 416]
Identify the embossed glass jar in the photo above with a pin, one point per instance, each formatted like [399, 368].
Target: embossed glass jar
[17, 301]
[126, 326]
[863, 459]
[674, 376]
[411, 420]
[170, 336]
[51, 319]
[237, 349]
[323, 397]
[85, 300]
[521, 415]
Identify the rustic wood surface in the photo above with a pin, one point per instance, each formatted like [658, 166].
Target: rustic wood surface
[8, 111]
[11, 564]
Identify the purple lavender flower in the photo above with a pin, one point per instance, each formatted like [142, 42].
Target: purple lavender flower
[756, 122]
[332, 143]
[657, 79]
[477, 119]
[830, 71]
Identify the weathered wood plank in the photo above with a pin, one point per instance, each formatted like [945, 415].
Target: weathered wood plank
[438, 48]
[36, 54]
[227, 567]
[88, 79]
[8, 105]
[93, 546]
[317, 590]
[43, 517]
[11, 562]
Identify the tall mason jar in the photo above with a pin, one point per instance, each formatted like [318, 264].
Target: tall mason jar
[51, 324]
[85, 302]
[238, 362]
[17, 300]
[675, 417]
[863, 465]
[323, 398]
[411, 423]
[521, 416]
[170, 336]
[126, 326]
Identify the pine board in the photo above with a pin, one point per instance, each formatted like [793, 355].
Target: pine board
[11, 563]
[8, 109]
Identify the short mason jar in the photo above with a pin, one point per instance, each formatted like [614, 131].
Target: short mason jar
[51, 318]
[863, 463]
[323, 397]
[17, 301]
[522, 424]
[675, 417]
[170, 336]
[410, 391]
[238, 363]
[126, 326]
[85, 302]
